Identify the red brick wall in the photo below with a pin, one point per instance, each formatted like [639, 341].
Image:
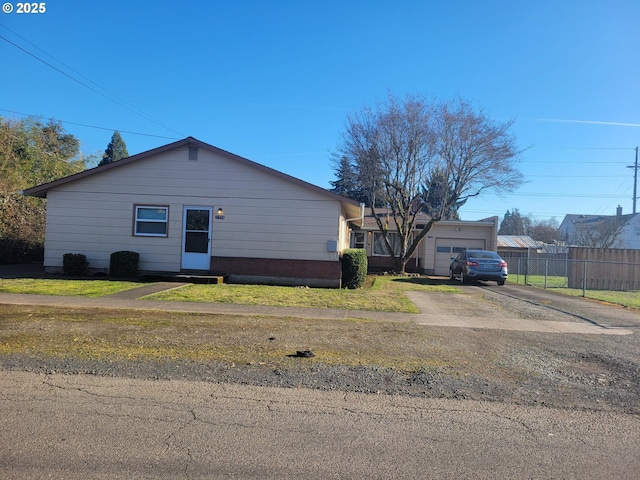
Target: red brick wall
[270, 267]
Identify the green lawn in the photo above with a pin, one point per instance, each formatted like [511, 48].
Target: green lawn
[83, 288]
[379, 294]
[382, 293]
[626, 299]
[559, 285]
[538, 280]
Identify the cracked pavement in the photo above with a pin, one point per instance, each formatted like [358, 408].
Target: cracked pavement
[83, 426]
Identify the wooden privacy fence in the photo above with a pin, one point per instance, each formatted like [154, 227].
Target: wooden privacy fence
[603, 268]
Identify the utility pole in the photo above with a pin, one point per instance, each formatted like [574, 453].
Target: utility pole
[635, 181]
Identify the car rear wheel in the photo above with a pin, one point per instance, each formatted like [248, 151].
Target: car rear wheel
[462, 277]
[500, 282]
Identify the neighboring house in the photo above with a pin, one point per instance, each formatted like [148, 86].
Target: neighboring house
[613, 231]
[189, 206]
[433, 256]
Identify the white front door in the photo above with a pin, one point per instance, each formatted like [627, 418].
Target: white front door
[196, 238]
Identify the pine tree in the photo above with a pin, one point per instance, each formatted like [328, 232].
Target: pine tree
[435, 198]
[116, 150]
[514, 223]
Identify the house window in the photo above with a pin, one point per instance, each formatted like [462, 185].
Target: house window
[358, 240]
[379, 247]
[151, 221]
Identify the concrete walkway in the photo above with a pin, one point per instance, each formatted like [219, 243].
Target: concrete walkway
[131, 299]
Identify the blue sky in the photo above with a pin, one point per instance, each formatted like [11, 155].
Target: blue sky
[274, 81]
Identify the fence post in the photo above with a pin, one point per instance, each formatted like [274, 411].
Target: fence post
[584, 278]
[546, 271]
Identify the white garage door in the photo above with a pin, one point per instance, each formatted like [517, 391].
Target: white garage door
[447, 248]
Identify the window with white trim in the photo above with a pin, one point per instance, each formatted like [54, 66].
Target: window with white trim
[358, 240]
[151, 221]
[379, 247]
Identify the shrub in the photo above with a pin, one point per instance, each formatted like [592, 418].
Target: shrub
[74, 264]
[15, 250]
[124, 264]
[354, 267]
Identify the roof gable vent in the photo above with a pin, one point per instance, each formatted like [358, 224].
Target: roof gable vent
[193, 153]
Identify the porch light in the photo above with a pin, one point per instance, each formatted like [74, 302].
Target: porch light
[220, 211]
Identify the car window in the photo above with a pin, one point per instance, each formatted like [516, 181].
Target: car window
[489, 255]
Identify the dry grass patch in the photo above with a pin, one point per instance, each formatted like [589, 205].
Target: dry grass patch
[120, 335]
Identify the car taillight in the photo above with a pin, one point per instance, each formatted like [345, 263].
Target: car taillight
[502, 264]
[472, 264]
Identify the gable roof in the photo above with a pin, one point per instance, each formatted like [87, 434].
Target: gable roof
[370, 223]
[351, 207]
[593, 220]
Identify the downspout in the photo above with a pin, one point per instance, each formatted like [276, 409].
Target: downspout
[361, 217]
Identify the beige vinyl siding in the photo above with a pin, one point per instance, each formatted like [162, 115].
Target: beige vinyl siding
[265, 216]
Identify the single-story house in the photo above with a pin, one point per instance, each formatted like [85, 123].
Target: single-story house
[190, 206]
[621, 231]
[433, 256]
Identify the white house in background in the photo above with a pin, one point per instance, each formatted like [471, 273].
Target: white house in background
[433, 256]
[628, 237]
[189, 206]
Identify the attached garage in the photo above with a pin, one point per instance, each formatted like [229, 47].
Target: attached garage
[449, 237]
[446, 239]
[448, 248]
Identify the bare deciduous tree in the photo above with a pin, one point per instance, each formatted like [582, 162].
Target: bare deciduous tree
[399, 146]
[599, 233]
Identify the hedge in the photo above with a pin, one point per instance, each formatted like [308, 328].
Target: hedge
[74, 264]
[15, 250]
[354, 267]
[124, 264]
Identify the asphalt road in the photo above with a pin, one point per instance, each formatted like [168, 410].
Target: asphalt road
[95, 427]
[90, 427]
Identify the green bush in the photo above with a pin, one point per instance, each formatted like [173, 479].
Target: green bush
[74, 264]
[16, 250]
[354, 267]
[124, 264]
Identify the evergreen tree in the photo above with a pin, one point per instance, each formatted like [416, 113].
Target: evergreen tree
[116, 150]
[514, 223]
[435, 198]
[346, 183]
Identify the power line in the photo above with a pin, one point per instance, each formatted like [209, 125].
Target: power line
[584, 148]
[114, 98]
[561, 162]
[565, 195]
[576, 176]
[90, 126]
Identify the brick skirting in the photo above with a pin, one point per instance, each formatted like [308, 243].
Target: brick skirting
[279, 271]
